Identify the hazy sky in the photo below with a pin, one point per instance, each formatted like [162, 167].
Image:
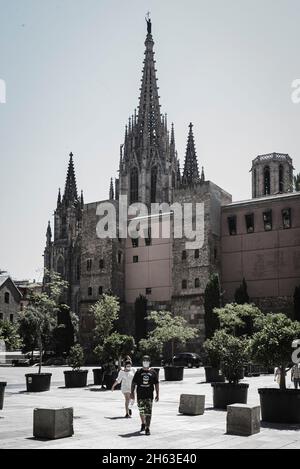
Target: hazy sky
[72, 70]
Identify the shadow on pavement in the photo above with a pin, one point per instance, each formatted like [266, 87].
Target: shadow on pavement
[97, 390]
[129, 435]
[115, 418]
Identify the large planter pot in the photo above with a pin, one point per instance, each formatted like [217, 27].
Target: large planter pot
[2, 390]
[75, 378]
[213, 375]
[38, 382]
[98, 374]
[280, 406]
[109, 380]
[174, 373]
[225, 394]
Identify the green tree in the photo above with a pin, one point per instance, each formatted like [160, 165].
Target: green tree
[211, 301]
[41, 313]
[239, 322]
[151, 347]
[66, 330]
[272, 344]
[76, 357]
[9, 334]
[297, 303]
[241, 294]
[106, 312]
[238, 319]
[170, 329]
[115, 347]
[140, 310]
[297, 182]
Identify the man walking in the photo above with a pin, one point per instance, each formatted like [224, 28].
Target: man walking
[144, 380]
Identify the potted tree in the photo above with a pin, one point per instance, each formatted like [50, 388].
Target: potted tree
[152, 348]
[233, 354]
[106, 313]
[170, 330]
[41, 318]
[212, 360]
[76, 378]
[115, 347]
[272, 346]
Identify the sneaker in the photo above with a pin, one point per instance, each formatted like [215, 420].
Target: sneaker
[130, 412]
[147, 431]
[143, 427]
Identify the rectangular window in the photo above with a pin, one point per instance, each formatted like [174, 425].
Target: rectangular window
[267, 218]
[183, 255]
[100, 290]
[232, 225]
[1, 316]
[184, 284]
[101, 264]
[90, 291]
[148, 291]
[249, 218]
[286, 218]
[135, 259]
[196, 253]
[135, 242]
[89, 265]
[197, 282]
[11, 318]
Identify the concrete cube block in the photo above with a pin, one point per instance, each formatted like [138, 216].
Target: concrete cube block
[53, 423]
[192, 404]
[243, 419]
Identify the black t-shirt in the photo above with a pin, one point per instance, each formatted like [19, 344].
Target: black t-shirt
[145, 381]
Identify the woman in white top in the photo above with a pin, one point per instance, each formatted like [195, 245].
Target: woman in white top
[125, 378]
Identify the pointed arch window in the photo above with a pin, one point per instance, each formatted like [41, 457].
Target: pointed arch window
[281, 182]
[153, 183]
[267, 182]
[134, 185]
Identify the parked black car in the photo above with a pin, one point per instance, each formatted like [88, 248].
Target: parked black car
[185, 359]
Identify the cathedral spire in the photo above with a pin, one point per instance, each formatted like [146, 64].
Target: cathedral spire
[58, 198]
[190, 171]
[70, 195]
[111, 190]
[149, 115]
[202, 178]
[49, 234]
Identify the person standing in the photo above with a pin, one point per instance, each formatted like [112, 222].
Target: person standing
[295, 375]
[145, 379]
[125, 379]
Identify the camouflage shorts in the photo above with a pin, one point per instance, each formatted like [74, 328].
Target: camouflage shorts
[145, 406]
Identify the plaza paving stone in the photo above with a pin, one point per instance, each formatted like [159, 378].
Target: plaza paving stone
[99, 422]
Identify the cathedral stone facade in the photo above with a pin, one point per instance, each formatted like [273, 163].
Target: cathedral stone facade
[163, 271]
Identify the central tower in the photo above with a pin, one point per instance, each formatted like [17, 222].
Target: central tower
[149, 168]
